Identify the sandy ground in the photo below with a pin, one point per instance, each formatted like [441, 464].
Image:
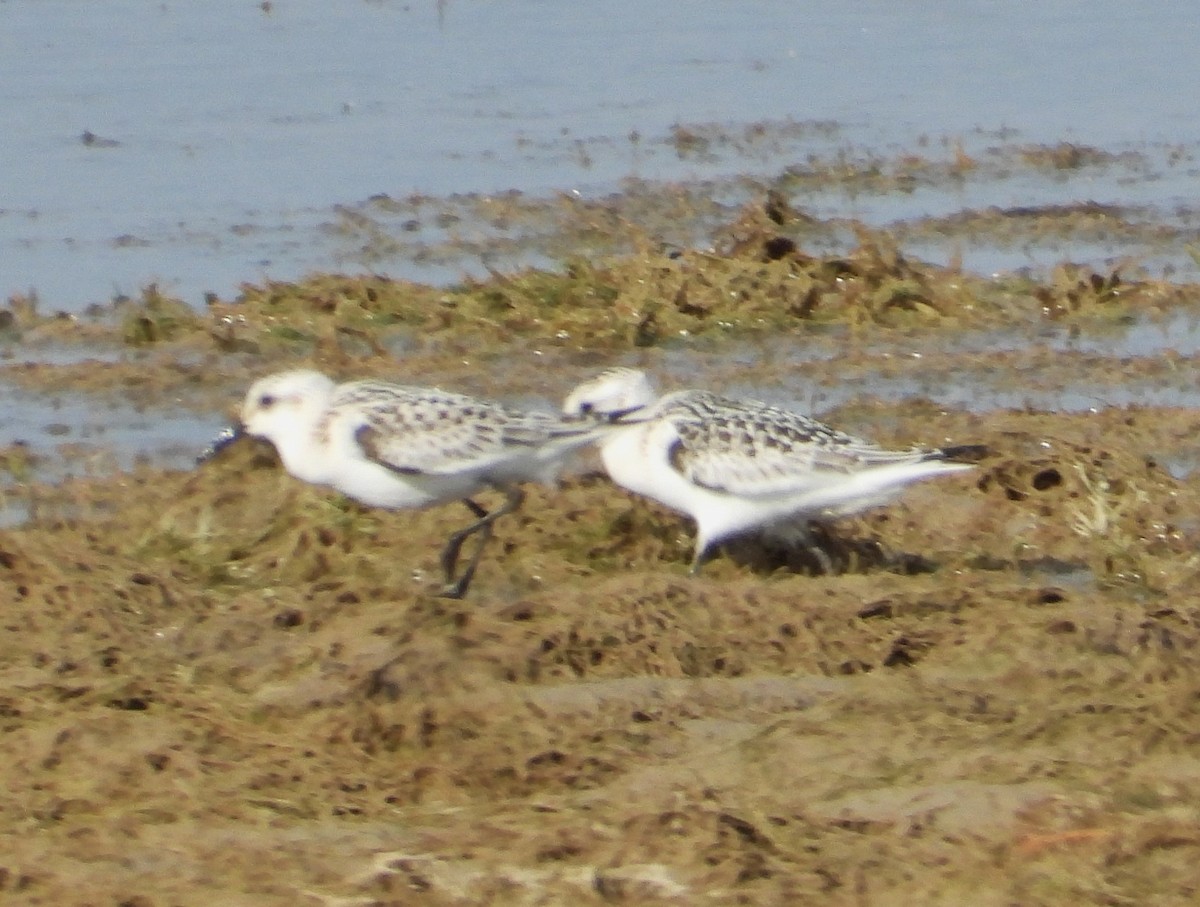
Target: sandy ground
[221, 686]
[225, 687]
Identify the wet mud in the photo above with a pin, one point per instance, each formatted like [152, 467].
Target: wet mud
[218, 685]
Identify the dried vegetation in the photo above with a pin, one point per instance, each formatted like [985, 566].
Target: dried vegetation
[225, 686]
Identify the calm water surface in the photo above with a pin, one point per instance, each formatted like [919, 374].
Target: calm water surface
[224, 135]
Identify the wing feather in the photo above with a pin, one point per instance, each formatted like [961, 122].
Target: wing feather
[750, 449]
[428, 431]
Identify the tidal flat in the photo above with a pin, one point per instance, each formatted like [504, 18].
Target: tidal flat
[220, 685]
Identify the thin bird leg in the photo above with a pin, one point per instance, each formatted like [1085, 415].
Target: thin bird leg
[698, 558]
[458, 588]
[817, 550]
[450, 553]
[800, 536]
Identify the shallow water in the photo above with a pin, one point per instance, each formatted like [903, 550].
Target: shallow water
[224, 136]
[246, 689]
[1050, 368]
[75, 435]
[230, 143]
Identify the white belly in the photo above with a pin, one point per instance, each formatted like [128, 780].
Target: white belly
[639, 460]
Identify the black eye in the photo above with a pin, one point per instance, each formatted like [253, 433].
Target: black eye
[586, 409]
[266, 401]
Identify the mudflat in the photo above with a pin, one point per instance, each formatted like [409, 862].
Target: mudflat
[223, 686]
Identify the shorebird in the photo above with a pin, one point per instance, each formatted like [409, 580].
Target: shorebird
[738, 465]
[393, 446]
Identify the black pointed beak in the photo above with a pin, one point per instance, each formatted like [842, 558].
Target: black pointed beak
[619, 416]
[224, 438]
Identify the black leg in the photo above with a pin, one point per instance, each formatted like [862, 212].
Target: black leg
[458, 588]
[819, 543]
[454, 545]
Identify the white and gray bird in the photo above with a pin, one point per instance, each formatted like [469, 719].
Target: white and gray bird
[737, 465]
[394, 446]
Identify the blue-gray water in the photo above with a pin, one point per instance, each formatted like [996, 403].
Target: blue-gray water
[225, 136]
[237, 130]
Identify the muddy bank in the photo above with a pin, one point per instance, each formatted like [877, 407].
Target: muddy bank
[220, 685]
[223, 685]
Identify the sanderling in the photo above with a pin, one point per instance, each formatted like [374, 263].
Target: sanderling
[392, 446]
[737, 465]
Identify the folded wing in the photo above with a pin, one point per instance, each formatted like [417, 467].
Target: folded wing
[753, 450]
[426, 431]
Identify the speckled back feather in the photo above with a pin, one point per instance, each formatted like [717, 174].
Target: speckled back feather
[748, 448]
[428, 431]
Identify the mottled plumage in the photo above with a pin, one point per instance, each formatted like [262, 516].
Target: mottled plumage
[737, 465]
[392, 446]
[419, 431]
[750, 448]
